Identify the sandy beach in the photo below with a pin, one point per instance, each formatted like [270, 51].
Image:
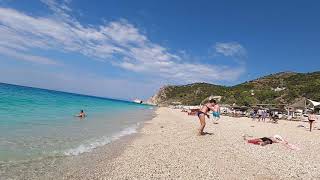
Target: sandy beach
[154, 90]
[167, 148]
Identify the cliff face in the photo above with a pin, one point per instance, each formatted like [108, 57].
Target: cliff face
[190, 94]
[160, 97]
[283, 87]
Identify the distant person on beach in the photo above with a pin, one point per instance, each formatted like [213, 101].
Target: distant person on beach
[254, 115]
[264, 115]
[260, 112]
[312, 118]
[216, 112]
[272, 117]
[204, 112]
[270, 140]
[81, 114]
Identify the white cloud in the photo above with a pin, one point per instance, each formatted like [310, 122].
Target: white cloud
[59, 8]
[27, 57]
[232, 49]
[118, 42]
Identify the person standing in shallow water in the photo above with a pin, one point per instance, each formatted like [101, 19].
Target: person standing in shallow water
[204, 112]
[81, 114]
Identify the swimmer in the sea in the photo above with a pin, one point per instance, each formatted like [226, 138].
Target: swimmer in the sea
[81, 114]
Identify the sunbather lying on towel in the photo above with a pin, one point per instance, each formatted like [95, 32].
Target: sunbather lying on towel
[270, 140]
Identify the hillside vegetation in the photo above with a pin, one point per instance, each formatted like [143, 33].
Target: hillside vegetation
[280, 88]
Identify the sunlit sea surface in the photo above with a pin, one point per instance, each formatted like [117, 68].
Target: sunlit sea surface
[37, 123]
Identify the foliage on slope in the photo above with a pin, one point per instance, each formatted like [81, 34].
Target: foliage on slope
[280, 88]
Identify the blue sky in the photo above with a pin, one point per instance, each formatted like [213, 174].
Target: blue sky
[129, 49]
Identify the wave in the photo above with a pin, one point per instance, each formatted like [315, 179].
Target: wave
[83, 148]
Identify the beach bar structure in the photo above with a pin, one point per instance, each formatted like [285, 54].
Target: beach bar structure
[315, 106]
[301, 107]
[239, 111]
[270, 106]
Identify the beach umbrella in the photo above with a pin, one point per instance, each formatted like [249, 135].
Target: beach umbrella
[217, 98]
[300, 103]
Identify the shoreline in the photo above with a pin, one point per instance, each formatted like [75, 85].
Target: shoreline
[167, 147]
[52, 167]
[101, 155]
[70, 166]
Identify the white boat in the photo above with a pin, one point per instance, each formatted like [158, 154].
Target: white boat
[138, 101]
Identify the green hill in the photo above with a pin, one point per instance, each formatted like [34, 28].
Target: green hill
[280, 88]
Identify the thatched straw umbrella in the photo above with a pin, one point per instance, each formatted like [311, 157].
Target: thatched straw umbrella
[206, 100]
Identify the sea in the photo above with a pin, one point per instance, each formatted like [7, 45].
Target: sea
[38, 123]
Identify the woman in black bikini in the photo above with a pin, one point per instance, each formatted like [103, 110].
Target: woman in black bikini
[312, 118]
[202, 113]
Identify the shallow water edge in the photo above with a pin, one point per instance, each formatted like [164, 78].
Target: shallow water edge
[70, 165]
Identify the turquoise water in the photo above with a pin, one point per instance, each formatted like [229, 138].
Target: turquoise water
[39, 123]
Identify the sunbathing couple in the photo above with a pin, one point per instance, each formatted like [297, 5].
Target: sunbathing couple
[212, 105]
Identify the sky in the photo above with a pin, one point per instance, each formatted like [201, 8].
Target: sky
[129, 49]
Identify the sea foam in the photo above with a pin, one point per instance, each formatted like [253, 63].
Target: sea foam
[83, 148]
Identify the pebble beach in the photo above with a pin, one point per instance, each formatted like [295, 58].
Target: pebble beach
[167, 147]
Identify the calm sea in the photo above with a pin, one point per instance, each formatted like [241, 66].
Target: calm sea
[40, 123]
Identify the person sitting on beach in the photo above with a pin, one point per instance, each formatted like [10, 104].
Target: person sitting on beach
[270, 140]
[312, 118]
[272, 117]
[216, 112]
[202, 113]
[81, 114]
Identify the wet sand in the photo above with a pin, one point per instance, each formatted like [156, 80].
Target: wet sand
[65, 167]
